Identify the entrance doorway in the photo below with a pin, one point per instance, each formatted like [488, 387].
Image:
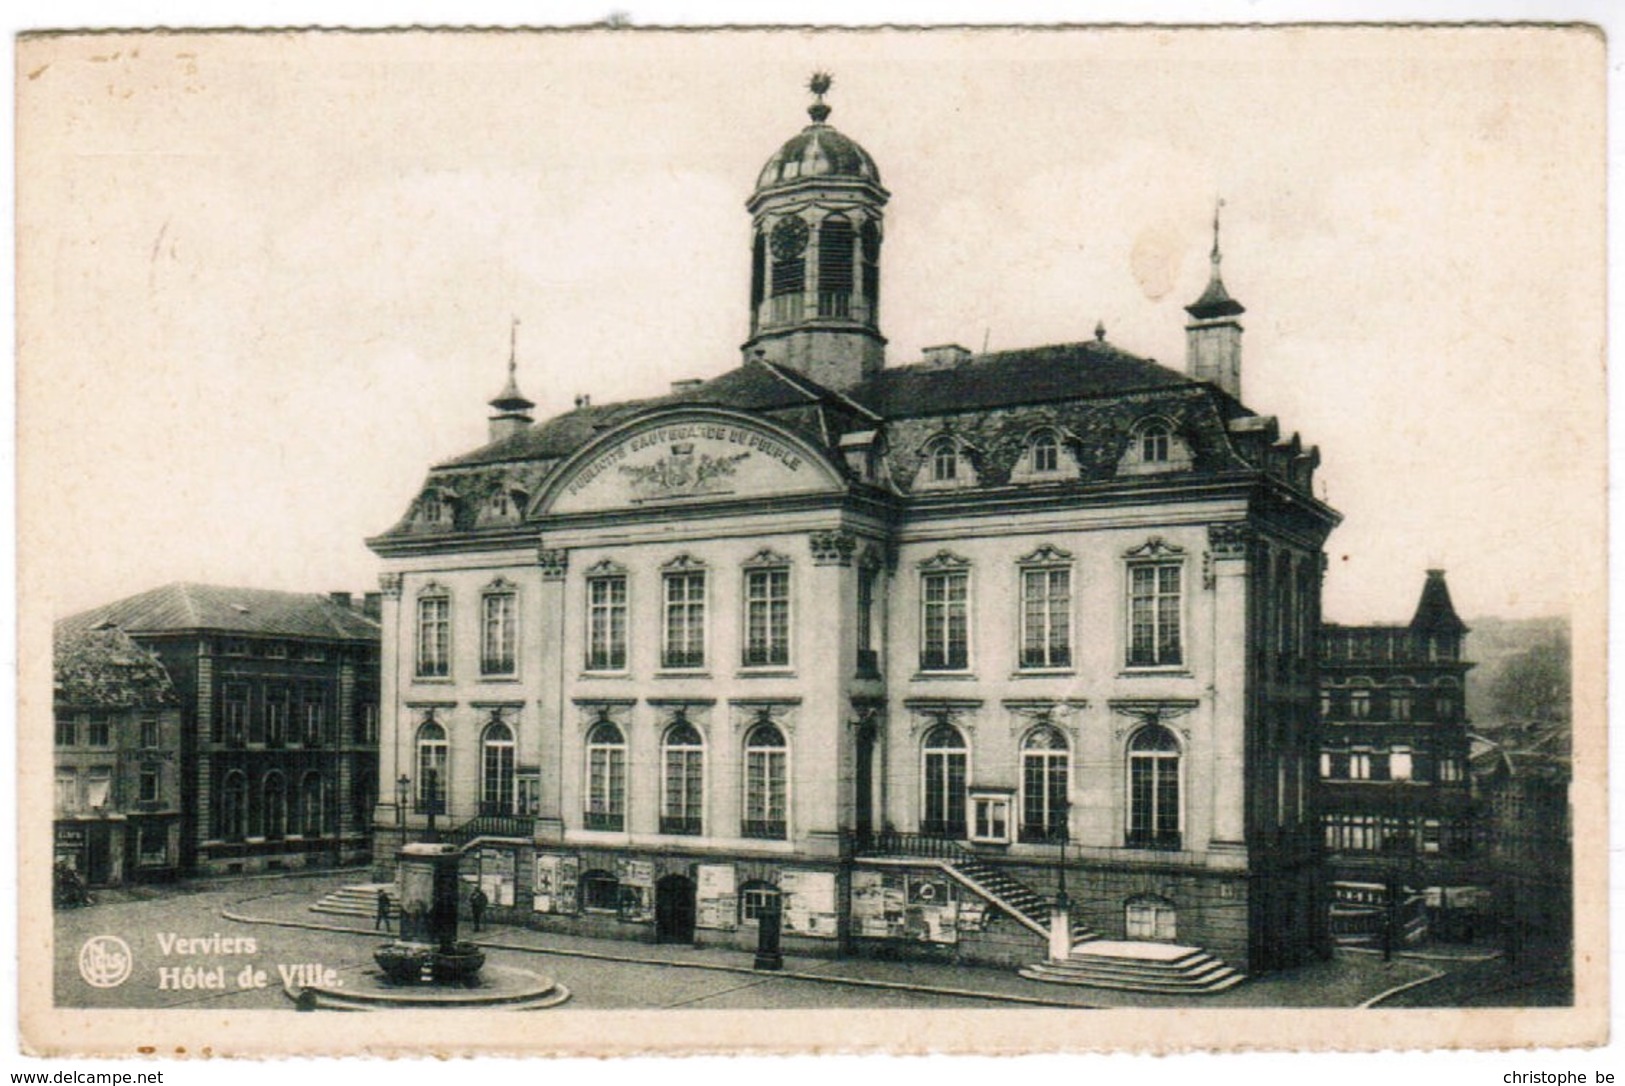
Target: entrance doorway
[100, 856]
[674, 909]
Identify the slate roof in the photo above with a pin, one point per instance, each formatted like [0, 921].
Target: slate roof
[1062, 371]
[1434, 611]
[102, 668]
[181, 607]
[754, 386]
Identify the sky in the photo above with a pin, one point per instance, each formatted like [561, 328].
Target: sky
[266, 281]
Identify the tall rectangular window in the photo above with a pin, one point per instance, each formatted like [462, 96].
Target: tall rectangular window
[67, 790]
[1154, 615]
[67, 731]
[1359, 704]
[100, 732]
[868, 656]
[149, 784]
[767, 617]
[149, 731]
[275, 731]
[234, 715]
[434, 637]
[684, 645]
[1046, 618]
[606, 624]
[315, 721]
[99, 787]
[944, 621]
[498, 633]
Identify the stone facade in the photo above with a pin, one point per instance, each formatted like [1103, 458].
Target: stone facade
[818, 619]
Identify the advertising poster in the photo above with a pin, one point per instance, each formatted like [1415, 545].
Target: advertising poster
[717, 897]
[498, 874]
[556, 878]
[809, 903]
[637, 879]
[877, 904]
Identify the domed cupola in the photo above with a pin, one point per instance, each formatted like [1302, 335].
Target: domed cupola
[816, 235]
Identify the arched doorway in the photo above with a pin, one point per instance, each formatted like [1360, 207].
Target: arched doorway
[674, 909]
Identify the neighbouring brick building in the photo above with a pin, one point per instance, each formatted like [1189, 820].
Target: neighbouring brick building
[275, 749]
[1397, 803]
[879, 644]
[117, 741]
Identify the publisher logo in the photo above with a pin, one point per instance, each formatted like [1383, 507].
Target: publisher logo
[105, 961]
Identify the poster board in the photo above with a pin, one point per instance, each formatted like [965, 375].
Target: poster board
[906, 905]
[809, 903]
[557, 875]
[717, 897]
[637, 879]
[498, 873]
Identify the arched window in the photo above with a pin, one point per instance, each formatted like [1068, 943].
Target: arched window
[1045, 784]
[274, 805]
[944, 456]
[758, 277]
[944, 773]
[682, 804]
[1044, 451]
[788, 241]
[234, 807]
[1150, 917]
[432, 779]
[606, 777]
[836, 245]
[312, 804]
[600, 892]
[496, 769]
[767, 799]
[756, 898]
[1154, 438]
[1153, 800]
[869, 237]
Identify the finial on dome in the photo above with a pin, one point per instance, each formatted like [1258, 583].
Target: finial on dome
[1217, 204]
[513, 349]
[1100, 331]
[819, 84]
[510, 402]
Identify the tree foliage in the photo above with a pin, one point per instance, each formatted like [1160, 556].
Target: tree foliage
[1534, 684]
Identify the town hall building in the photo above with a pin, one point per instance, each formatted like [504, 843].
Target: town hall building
[903, 652]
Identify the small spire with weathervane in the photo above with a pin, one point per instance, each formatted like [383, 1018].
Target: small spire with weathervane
[512, 408]
[819, 84]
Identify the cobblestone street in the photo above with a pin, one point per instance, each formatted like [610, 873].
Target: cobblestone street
[600, 974]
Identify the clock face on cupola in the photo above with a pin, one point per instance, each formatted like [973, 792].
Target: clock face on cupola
[790, 238]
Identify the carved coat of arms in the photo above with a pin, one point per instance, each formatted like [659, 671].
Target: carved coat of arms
[681, 473]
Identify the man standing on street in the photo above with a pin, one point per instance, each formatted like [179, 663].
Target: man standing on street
[476, 906]
[382, 919]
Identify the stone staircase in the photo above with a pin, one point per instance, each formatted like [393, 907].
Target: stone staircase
[1126, 965]
[1010, 894]
[359, 900]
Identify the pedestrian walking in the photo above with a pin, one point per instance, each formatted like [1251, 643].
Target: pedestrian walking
[477, 901]
[382, 919]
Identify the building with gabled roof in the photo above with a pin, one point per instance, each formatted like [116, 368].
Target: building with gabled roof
[896, 649]
[117, 745]
[273, 758]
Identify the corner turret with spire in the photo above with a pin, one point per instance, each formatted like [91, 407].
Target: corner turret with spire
[1213, 336]
[511, 407]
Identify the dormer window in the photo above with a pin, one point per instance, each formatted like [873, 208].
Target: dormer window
[944, 461]
[1045, 451]
[1154, 443]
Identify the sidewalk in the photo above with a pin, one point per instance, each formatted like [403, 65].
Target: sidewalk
[1345, 981]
